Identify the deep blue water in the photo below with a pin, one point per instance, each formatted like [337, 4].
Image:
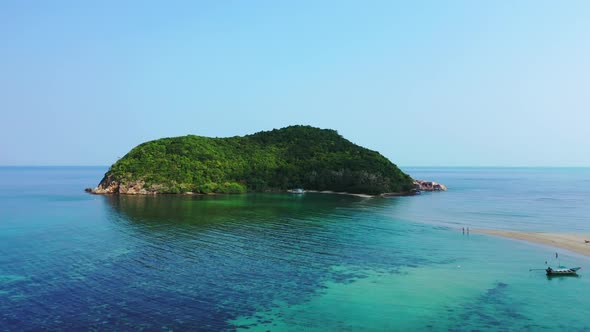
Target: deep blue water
[74, 261]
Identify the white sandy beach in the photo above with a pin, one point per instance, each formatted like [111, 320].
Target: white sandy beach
[573, 242]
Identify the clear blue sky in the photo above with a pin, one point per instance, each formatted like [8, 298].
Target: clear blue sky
[497, 83]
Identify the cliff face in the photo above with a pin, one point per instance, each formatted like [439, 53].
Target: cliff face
[292, 157]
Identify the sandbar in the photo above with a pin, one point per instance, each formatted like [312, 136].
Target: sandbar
[573, 242]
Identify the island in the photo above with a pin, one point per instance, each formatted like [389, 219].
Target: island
[298, 156]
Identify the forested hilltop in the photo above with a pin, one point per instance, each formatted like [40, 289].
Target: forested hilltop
[280, 159]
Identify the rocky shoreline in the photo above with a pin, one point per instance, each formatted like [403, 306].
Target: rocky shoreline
[423, 185]
[110, 187]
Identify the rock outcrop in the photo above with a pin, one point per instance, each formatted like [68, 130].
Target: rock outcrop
[109, 186]
[422, 185]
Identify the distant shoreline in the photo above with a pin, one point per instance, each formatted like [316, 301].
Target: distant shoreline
[572, 242]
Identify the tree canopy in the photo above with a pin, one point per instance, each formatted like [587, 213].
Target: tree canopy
[291, 157]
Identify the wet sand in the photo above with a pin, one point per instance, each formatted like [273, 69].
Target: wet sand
[572, 242]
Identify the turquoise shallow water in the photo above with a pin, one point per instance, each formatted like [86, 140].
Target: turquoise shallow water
[72, 261]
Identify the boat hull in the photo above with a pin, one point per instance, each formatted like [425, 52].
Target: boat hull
[562, 272]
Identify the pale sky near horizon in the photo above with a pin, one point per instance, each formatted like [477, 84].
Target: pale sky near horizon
[426, 83]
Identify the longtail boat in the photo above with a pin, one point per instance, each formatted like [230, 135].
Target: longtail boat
[562, 271]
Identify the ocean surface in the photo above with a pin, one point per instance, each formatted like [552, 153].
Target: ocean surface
[72, 261]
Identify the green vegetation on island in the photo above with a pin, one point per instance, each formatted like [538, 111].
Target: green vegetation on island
[280, 159]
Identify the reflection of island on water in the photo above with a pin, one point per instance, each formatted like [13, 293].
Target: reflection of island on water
[252, 208]
[312, 228]
[256, 224]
